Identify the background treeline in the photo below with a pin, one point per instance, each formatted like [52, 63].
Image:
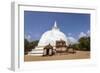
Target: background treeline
[83, 44]
[28, 46]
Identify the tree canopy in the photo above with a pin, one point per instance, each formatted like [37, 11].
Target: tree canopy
[83, 44]
[28, 46]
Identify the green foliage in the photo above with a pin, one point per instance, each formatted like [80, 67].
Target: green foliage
[28, 46]
[75, 46]
[84, 44]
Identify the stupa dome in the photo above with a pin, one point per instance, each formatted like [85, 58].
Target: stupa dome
[51, 36]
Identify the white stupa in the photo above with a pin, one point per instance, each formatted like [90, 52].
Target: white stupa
[49, 37]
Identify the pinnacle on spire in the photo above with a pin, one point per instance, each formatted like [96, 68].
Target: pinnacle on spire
[55, 25]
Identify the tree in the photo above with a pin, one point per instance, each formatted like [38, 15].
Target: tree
[28, 46]
[76, 46]
[34, 44]
[84, 43]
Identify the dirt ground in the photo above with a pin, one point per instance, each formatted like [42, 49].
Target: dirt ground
[67, 56]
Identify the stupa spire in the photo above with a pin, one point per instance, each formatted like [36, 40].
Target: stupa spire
[55, 25]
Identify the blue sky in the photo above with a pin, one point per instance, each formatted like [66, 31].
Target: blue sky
[72, 24]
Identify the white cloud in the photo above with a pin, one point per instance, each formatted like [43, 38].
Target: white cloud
[28, 37]
[82, 34]
[69, 34]
[72, 40]
[88, 33]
